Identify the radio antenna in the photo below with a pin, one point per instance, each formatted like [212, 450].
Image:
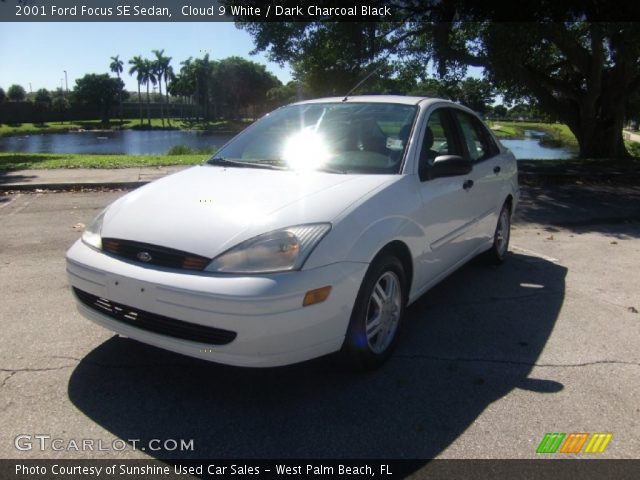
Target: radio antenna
[361, 82]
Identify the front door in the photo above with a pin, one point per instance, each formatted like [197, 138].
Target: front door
[448, 207]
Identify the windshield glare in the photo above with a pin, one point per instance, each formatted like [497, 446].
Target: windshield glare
[340, 137]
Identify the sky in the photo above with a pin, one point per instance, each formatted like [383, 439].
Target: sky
[35, 55]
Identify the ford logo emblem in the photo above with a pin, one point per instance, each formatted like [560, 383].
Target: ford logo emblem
[144, 256]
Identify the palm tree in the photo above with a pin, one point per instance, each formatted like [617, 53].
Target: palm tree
[116, 67]
[158, 71]
[148, 77]
[168, 75]
[163, 70]
[202, 67]
[138, 66]
[187, 78]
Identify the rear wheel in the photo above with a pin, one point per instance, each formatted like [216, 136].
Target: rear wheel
[498, 250]
[377, 314]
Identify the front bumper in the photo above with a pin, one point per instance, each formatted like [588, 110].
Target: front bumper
[264, 311]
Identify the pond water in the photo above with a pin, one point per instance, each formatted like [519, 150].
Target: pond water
[133, 142]
[530, 148]
[129, 142]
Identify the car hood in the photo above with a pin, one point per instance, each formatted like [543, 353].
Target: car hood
[206, 210]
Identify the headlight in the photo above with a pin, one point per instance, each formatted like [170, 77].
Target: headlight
[91, 235]
[277, 251]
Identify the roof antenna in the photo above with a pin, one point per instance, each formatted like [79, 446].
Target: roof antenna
[361, 82]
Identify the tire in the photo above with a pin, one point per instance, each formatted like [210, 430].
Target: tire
[377, 314]
[498, 251]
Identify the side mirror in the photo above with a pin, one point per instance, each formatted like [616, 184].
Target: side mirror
[445, 166]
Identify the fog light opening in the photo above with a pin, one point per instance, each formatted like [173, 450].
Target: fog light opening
[318, 295]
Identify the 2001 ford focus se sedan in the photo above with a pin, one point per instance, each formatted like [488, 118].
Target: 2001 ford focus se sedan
[308, 233]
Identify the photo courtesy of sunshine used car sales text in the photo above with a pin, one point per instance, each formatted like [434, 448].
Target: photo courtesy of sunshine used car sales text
[210, 469]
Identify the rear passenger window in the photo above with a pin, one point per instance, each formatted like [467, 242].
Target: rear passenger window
[478, 141]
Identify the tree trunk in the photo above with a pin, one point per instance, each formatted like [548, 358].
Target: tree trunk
[161, 100]
[140, 102]
[148, 107]
[599, 132]
[166, 91]
[120, 100]
[605, 142]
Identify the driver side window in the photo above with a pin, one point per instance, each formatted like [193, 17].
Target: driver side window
[438, 138]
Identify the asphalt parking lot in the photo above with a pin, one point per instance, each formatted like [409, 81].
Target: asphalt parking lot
[490, 360]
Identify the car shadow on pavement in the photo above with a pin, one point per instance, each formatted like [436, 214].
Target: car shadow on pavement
[466, 343]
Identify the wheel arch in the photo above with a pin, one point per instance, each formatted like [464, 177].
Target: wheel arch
[400, 250]
[509, 202]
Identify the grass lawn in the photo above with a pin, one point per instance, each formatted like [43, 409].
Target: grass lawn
[559, 132]
[114, 124]
[25, 161]
[633, 148]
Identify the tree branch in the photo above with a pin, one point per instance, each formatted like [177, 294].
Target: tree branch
[565, 41]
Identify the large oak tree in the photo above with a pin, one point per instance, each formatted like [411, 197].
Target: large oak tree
[577, 60]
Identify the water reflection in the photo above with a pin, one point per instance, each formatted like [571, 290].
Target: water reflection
[531, 148]
[133, 142]
[128, 142]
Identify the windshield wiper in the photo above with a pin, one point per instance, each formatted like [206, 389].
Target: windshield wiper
[265, 163]
[225, 162]
[332, 170]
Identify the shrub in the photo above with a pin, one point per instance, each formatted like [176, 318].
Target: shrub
[187, 150]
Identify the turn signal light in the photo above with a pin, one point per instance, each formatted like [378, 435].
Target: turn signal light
[318, 295]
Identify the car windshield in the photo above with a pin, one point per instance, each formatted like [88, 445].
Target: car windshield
[334, 137]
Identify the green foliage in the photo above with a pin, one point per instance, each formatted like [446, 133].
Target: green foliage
[116, 66]
[558, 134]
[227, 85]
[43, 97]
[474, 93]
[580, 72]
[98, 90]
[59, 102]
[241, 82]
[633, 148]
[499, 111]
[23, 161]
[226, 126]
[3, 95]
[285, 94]
[16, 93]
[187, 150]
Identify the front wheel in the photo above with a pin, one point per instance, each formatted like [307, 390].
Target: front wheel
[377, 314]
[498, 250]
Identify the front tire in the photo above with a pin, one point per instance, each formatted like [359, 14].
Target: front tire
[377, 314]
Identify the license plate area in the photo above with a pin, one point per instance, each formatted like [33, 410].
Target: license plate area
[130, 292]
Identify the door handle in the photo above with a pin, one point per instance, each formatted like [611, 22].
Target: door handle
[496, 170]
[467, 184]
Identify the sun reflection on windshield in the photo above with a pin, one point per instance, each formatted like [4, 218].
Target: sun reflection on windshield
[305, 150]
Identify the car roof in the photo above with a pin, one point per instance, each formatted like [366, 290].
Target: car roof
[400, 99]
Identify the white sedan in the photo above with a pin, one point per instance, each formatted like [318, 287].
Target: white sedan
[308, 233]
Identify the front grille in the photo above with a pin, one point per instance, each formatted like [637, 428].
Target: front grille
[152, 322]
[160, 256]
